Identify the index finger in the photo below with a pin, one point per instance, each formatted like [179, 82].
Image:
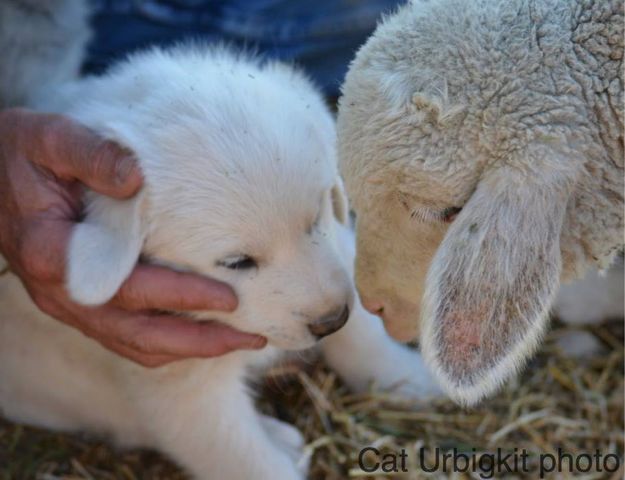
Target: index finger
[74, 152]
[152, 287]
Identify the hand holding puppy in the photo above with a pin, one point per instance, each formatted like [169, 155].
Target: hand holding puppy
[44, 161]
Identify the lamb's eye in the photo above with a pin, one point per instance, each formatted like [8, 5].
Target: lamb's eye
[449, 214]
[238, 262]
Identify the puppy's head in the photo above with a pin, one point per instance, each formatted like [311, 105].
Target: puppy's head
[240, 185]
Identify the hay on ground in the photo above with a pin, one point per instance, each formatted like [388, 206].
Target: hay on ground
[558, 402]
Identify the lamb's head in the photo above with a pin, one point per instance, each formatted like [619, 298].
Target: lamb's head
[240, 185]
[459, 204]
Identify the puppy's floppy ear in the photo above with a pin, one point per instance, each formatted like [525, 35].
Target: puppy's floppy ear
[104, 248]
[493, 279]
[340, 205]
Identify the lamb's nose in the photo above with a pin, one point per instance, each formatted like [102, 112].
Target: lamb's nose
[376, 308]
[329, 323]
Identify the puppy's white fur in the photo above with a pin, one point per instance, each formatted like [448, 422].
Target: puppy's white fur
[238, 159]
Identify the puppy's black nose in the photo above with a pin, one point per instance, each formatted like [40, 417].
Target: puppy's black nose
[329, 323]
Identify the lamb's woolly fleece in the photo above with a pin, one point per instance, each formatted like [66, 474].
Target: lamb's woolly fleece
[513, 110]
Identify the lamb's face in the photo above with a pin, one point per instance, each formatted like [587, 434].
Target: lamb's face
[406, 187]
[240, 185]
[394, 252]
[399, 230]
[460, 190]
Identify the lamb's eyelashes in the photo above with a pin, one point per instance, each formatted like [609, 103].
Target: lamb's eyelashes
[446, 215]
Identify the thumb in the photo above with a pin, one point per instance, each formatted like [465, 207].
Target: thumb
[74, 152]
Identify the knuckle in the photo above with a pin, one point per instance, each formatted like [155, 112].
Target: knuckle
[130, 297]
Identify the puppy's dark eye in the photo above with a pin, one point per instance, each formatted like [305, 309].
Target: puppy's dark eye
[449, 214]
[240, 262]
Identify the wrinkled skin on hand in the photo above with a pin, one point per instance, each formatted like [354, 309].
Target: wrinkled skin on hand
[45, 162]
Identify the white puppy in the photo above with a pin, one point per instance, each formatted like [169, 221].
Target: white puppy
[240, 185]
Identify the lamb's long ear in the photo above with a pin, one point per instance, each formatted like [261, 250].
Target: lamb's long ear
[104, 248]
[340, 205]
[492, 281]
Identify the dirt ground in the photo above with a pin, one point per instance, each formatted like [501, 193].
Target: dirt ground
[558, 402]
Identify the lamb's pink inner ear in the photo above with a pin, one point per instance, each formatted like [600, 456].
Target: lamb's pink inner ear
[486, 329]
[489, 289]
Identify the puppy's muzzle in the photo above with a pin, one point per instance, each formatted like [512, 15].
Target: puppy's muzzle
[330, 322]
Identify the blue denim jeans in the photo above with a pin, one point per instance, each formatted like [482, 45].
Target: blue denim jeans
[322, 36]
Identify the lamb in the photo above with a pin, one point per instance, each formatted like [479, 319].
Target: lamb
[241, 185]
[481, 143]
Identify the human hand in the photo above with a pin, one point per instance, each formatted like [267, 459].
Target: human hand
[44, 161]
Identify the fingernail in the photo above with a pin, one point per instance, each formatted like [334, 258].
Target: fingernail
[125, 169]
[228, 306]
[258, 343]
